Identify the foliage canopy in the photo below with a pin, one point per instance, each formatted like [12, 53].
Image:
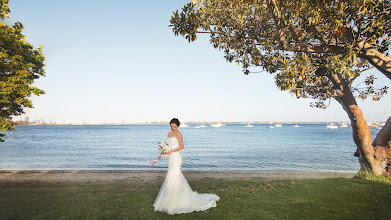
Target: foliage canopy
[308, 44]
[20, 66]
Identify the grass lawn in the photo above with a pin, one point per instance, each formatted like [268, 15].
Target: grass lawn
[257, 198]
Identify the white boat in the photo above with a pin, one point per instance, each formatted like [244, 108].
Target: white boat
[183, 125]
[332, 126]
[217, 125]
[248, 126]
[202, 126]
[278, 125]
[343, 125]
[373, 124]
[196, 127]
[296, 126]
[270, 126]
[379, 128]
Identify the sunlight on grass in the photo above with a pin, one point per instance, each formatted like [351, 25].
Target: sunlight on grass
[371, 176]
[255, 198]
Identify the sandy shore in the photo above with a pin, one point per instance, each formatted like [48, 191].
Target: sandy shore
[116, 175]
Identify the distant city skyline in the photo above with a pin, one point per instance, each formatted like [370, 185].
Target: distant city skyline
[109, 62]
[42, 121]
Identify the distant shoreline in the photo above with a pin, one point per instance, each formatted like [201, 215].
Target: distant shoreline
[188, 123]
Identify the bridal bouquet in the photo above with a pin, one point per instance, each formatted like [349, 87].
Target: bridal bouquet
[163, 147]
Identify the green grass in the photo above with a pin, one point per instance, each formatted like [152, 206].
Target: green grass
[240, 199]
[371, 176]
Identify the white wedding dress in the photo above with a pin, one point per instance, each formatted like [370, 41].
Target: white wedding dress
[175, 195]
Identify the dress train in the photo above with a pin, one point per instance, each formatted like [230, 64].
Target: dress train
[175, 195]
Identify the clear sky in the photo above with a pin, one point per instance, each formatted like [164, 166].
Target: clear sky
[108, 61]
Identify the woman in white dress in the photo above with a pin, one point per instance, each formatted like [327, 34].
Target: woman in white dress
[175, 195]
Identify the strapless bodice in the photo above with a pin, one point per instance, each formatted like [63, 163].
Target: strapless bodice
[173, 141]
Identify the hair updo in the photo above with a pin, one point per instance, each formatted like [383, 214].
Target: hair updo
[175, 121]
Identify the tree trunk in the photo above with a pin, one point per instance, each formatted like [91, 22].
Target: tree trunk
[361, 133]
[371, 159]
[382, 146]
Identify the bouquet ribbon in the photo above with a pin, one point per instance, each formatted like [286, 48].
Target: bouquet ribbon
[156, 160]
[163, 146]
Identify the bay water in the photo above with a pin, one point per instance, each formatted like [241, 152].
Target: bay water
[310, 147]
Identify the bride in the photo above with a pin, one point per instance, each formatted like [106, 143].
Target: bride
[175, 195]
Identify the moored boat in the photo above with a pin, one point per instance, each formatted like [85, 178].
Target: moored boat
[332, 126]
[217, 125]
[183, 125]
[343, 125]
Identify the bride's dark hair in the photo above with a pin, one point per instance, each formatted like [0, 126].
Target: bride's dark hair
[175, 121]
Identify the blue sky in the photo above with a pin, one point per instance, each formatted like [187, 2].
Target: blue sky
[108, 61]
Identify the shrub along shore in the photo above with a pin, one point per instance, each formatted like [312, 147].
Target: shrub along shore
[244, 195]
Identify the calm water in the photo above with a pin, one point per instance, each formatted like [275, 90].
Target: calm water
[231, 148]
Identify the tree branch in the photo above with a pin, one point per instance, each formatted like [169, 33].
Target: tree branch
[277, 21]
[384, 135]
[379, 60]
[315, 49]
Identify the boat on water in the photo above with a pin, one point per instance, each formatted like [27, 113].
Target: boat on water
[373, 124]
[196, 127]
[343, 125]
[278, 125]
[202, 126]
[270, 126]
[248, 125]
[296, 126]
[217, 125]
[183, 125]
[332, 126]
[376, 125]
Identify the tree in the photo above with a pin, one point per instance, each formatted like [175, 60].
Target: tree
[20, 66]
[315, 49]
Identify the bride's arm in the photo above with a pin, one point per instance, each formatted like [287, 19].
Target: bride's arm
[180, 140]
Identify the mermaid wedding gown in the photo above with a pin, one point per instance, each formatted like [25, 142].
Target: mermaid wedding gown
[175, 195]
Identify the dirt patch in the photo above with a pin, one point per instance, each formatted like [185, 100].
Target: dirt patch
[116, 175]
